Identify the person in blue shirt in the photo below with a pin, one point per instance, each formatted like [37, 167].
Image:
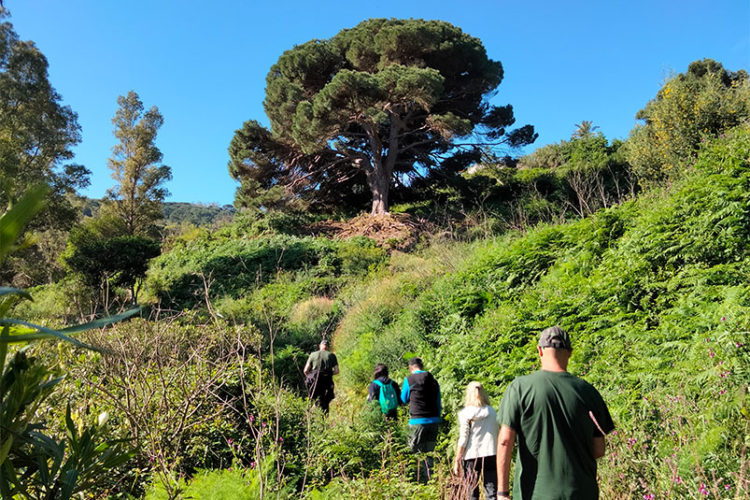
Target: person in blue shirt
[422, 392]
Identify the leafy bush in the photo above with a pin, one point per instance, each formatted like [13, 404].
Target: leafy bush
[698, 105]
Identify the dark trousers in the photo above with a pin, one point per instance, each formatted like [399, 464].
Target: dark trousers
[422, 439]
[320, 388]
[484, 469]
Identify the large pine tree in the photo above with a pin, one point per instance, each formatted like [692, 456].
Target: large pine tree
[370, 108]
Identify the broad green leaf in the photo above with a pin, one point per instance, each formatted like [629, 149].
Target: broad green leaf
[15, 219]
[6, 290]
[21, 335]
[5, 448]
[69, 483]
[44, 333]
[99, 323]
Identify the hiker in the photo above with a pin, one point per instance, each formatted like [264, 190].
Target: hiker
[559, 421]
[384, 391]
[422, 392]
[477, 443]
[319, 370]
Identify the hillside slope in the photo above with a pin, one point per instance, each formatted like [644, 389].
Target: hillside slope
[655, 293]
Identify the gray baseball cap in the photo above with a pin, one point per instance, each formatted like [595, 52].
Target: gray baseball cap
[555, 337]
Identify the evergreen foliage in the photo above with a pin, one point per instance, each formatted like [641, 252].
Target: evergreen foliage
[375, 105]
[36, 131]
[136, 166]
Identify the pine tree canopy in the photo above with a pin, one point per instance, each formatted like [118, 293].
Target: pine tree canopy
[371, 109]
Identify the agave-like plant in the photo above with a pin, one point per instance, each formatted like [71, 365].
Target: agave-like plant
[34, 464]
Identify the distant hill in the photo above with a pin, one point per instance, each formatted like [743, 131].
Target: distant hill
[178, 212]
[195, 213]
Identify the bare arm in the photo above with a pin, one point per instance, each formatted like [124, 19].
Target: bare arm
[307, 368]
[599, 446]
[505, 442]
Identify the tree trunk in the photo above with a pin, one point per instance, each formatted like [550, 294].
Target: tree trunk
[381, 169]
[380, 199]
[379, 185]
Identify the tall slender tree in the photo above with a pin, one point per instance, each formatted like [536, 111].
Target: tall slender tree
[36, 131]
[136, 164]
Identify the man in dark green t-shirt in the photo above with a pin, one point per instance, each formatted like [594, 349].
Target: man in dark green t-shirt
[559, 421]
[319, 370]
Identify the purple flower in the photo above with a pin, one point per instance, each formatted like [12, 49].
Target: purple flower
[252, 465]
[649, 496]
[727, 487]
[703, 490]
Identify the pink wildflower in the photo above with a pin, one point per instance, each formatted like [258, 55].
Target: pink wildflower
[649, 496]
[678, 480]
[703, 490]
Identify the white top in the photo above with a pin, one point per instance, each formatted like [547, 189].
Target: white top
[477, 432]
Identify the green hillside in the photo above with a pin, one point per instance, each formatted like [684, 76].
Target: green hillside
[640, 248]
[654, 291]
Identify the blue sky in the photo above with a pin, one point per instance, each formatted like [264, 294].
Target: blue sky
[204, 63]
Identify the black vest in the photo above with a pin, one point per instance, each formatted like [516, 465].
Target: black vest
[423, 395]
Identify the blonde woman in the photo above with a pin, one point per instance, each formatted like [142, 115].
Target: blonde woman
[477, 442]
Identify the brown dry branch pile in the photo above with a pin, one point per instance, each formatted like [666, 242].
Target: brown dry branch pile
[391, 231]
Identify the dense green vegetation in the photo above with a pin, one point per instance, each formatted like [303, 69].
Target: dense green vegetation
[639, 247]
[654, 290]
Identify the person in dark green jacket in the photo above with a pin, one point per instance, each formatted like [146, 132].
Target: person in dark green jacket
[319, 370]
[559, 422]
